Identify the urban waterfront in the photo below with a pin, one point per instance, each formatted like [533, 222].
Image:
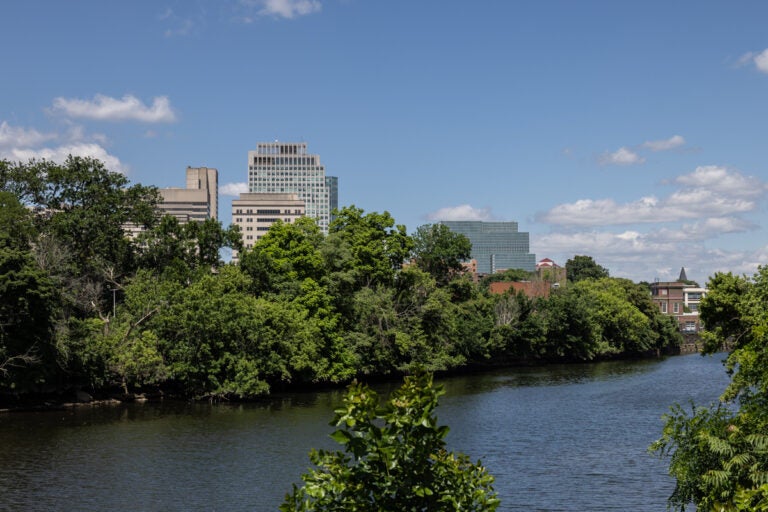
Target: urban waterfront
[557, 438]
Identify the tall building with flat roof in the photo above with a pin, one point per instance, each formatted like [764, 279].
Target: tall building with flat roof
[198, 202]
[255, 214]
[496, 245]
[287, 168]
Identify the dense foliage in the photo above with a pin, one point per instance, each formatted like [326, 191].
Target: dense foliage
[84, 306]
[394, 458]
[719, 454]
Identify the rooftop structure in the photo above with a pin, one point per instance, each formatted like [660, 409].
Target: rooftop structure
[198, 202]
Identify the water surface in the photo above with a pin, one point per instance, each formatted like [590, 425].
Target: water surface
[557, 438]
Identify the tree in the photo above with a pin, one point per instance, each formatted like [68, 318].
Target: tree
[394, 459]
[377, 246]
[440, 252]
[583, 267]
[719, 455]
[285, 256]
[186, 247]
[28, 302]
[87, 207]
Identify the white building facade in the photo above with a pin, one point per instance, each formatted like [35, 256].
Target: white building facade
[287, 168]
[255, 214]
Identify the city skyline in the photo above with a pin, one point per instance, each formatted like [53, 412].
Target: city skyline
[630, 132]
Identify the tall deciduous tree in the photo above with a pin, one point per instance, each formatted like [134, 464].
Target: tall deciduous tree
[377, 245]
[440, 252]
[394, 459]
[28, 301]
[584, 267]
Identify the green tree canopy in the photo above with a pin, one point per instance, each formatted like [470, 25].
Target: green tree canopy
[583, 267]
[719, 455]
[378, 247]
[394, 459]
[440, 252]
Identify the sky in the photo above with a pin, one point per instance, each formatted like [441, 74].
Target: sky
[633, 132]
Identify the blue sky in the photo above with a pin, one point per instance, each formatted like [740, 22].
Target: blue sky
[634, 132]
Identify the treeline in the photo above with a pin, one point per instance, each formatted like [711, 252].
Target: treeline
[84, 306]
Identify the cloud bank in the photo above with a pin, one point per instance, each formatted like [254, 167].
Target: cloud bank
[709, 191]
[622, 156]
[23, 144]
[233, 189]
[461, 212]
[127, 108]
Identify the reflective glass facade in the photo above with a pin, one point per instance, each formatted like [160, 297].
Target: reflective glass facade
[496, 245]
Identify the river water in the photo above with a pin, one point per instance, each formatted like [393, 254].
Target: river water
[557, 438]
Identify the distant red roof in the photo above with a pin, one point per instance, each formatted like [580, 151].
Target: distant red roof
[546, 262]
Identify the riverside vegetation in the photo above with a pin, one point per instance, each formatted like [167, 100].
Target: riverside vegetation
[719, 454]
[84, 307]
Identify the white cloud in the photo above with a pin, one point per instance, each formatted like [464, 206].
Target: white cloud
[702, 230]
[622, 156]
[647, 256]
[461, 212]
[664, 145]
[708, 203]
[761, 61]
[11, 136]
[720, 179]
[127, 108]
[233, 189]
[289, 8]
[710, 192]
[60, 154]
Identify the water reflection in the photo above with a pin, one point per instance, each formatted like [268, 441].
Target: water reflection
[556, 438]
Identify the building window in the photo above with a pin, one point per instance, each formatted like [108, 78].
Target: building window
[664, 307]
[676, 307]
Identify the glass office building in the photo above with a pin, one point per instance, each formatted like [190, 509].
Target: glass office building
[496, 245]
[287, 168]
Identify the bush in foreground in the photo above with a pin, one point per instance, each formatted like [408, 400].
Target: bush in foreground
[394, 459]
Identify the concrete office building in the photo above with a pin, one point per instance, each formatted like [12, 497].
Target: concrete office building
[287, 168]
[195, 203]
[496, 245]
[255, 213]
[198, 202]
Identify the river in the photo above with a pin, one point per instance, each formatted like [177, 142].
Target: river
[557, 438]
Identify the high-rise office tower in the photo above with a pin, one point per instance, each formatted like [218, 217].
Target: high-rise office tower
[496, 245]
[287, 168]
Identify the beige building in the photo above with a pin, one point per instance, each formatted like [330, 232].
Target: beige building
[255, 213]
[198, 202]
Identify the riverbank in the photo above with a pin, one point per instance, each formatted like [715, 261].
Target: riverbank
[74, 398]
[555, 437]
